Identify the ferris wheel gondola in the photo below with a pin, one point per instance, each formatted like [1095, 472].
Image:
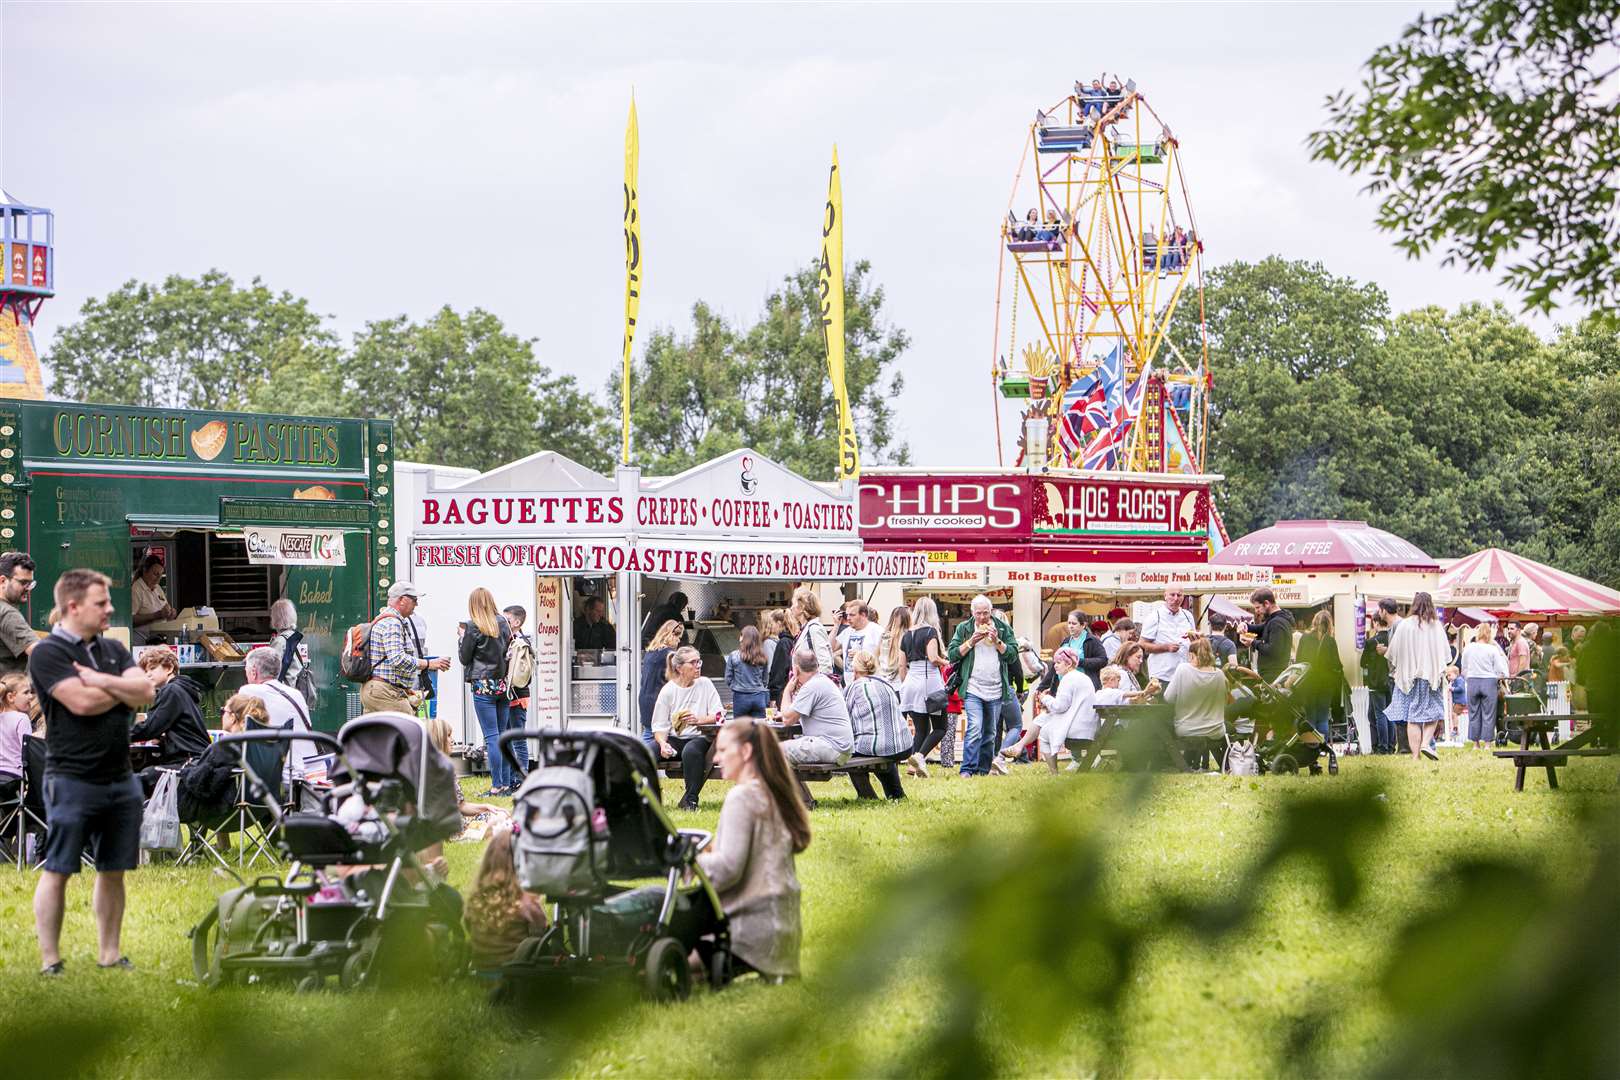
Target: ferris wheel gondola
[1092, 273]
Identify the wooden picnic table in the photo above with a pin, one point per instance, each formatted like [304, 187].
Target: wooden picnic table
[1595, 741]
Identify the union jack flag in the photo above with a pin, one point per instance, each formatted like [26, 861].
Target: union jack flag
[1125, 403]
[1092, 403]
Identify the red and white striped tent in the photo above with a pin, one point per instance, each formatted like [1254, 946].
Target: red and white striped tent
[1543, 590]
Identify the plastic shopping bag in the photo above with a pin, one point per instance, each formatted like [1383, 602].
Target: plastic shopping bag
[160, 824]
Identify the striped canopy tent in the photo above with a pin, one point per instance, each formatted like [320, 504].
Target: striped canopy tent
[1543, 590]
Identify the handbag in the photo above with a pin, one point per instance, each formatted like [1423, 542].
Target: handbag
[160, 821]
[940, 700]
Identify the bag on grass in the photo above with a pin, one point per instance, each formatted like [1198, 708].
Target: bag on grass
[1241, 760]
[160, 823]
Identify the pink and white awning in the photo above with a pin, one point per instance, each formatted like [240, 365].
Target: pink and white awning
[1542, 589]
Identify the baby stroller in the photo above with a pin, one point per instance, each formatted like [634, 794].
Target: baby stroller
[1291, 743]
[393, 795]
[589, 814]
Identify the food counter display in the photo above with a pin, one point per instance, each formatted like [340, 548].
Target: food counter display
[202, 520]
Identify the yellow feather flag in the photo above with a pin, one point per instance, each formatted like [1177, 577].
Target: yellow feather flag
[830, 285]
[632, 261]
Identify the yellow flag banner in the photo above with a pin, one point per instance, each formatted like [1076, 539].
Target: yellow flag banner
[632, 263]
[830, 284]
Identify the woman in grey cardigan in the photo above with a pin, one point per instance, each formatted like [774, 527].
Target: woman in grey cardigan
[763, 824]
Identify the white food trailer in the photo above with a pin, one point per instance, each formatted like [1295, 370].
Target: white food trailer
[737, 533]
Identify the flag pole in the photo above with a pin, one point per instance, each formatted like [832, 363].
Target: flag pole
[632, 265]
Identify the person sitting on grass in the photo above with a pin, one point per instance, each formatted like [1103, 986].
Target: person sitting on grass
[687, 699]
[438, 730]
[500, 916]
[763, 825]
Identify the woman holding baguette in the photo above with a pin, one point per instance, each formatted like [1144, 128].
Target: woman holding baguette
[687, 699]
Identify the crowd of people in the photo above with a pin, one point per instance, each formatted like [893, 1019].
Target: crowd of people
[858, 685]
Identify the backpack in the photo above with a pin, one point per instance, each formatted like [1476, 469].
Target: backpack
[519, 663]
[354, 662]
[561, 844]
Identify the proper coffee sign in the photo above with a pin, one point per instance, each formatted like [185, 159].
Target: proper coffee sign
[294, 547]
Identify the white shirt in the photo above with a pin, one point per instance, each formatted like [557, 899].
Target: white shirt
[1070, 713]
[1165, 628]
[852, 641]
[145, 598]
[985, 679]
[1484, 661]
[701, 699]
[287, 704]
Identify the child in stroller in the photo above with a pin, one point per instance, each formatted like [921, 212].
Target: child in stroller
[356, 901]
[588, 818]
[1267, 717]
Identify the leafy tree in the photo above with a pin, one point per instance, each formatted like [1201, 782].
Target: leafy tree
[1492, 131]
[187, 343]
[720, 386]
[461, 390]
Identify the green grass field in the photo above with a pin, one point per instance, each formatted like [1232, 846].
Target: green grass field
[1195, 1005]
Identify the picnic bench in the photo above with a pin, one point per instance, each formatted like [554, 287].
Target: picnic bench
[805, 774]
[1153, 744]
[1595, 741]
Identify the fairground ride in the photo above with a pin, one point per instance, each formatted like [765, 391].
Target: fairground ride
[1099, 250]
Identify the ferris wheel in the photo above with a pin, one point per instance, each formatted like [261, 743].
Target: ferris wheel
[1099, 249]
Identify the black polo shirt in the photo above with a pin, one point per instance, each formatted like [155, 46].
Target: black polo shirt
[90, 748]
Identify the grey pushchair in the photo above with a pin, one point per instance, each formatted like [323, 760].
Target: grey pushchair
[588, 818]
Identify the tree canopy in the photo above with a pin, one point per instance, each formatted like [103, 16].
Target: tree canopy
[719, 386]
[1457, 430]
[1491, 131]
[461, 388]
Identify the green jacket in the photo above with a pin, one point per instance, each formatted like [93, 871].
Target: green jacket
[963, 658]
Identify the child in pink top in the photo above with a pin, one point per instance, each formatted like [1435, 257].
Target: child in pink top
[16, 698]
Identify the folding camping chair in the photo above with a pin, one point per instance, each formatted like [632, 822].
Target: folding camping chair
[247, 824]
[24, 815]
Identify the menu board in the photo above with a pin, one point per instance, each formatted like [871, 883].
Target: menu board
[546, 689]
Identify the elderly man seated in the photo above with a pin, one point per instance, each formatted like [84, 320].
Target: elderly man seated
[817, 706]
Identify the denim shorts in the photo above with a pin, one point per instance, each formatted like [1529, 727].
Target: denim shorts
[106, 817]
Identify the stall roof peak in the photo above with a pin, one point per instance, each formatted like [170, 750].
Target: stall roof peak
[543, 471]
[750, 467]
[1326, 544]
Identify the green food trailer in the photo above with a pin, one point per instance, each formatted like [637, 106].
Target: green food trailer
[242, 509]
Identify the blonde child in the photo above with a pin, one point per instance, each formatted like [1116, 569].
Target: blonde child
[500, 915]
[16, 700]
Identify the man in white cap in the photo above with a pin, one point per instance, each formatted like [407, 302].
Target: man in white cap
[397, 662]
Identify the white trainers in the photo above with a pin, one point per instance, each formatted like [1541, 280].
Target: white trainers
[998, 767]
[919, 767]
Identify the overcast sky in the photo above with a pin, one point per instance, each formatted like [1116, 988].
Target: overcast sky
[388, 159]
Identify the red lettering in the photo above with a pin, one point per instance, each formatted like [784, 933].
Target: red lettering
[477, 512]
[525, 511]
[615, 510]
[452, 514]
[430, 511]
[503, 504]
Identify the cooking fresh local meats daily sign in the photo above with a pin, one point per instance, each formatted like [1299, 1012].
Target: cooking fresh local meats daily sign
[714, 562]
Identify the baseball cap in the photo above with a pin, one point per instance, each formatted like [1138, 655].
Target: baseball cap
[404, 588]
